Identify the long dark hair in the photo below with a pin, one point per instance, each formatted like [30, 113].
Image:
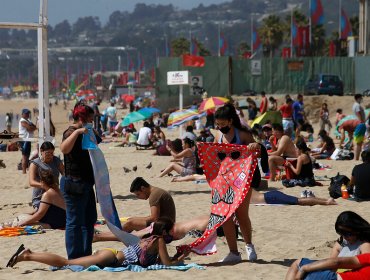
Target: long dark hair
[162, 224]
[189, 142]
[228, 112]
[325, 137]
[47, 146]
[355, 223]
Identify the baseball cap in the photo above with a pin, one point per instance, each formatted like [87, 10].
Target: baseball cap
[25, 111]
[267, 127]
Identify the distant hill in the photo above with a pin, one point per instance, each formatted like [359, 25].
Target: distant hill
[148, 27]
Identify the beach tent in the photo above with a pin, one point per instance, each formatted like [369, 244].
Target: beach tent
[272, 116]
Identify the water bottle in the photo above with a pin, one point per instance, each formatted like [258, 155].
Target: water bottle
[344, 190]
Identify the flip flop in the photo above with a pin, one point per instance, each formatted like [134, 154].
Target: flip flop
[13, 259]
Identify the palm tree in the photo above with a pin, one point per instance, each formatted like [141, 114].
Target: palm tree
[272, 33]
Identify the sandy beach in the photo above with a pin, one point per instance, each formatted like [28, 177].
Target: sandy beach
[281, 234]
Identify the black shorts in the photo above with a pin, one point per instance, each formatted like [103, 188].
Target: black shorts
[25, 148]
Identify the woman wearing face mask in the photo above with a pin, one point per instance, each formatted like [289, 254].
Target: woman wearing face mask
[144, 253]
[232, 132]
[46, 161]
[77, 185]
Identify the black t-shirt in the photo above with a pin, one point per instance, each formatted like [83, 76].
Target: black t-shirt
[362, 178]
[77, 163]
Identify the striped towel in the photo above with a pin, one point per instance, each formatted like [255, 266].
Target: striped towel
[134, 268]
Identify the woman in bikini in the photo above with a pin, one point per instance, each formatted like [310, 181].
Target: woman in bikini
[144, 253]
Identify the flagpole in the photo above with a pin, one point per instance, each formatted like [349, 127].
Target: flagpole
[219, 38]
[291, 33]
[340, 20]
[310, 21]
[252, 30]
[191, 42]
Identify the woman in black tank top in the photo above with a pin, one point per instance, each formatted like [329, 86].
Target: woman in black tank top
[303, 170]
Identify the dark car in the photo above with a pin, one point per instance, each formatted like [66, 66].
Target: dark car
[324, 84]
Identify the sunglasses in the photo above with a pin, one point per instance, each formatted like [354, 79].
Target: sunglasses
[346, 233]
[234, 155]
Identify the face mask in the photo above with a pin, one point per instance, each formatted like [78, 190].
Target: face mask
[224, 129]
[88, 125]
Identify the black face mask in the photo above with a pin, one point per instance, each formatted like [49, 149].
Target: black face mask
[224, 129]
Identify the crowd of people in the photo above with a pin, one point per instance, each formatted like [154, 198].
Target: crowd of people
[278, 145]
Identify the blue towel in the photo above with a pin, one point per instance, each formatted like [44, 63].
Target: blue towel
[134, 268]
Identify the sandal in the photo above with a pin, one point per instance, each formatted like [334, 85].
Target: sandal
[13, 259]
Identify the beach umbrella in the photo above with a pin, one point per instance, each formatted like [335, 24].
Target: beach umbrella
[149, 110]
[182, 116]
[212, 102]
[133, 117]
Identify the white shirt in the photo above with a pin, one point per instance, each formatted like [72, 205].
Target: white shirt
[145, 133]
[357, 108]
[23, 132]
[112, 112]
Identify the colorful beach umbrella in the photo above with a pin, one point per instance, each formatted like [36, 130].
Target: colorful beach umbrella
[133, 117]
[212, 102]
[182, 116]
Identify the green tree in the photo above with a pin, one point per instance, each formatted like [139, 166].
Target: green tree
[242, 49]
[180, 46]
[272, 34]
[318, 46]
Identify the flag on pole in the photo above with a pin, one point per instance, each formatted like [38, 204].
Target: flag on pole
[256, 40]
[130, 64]
[140, 62]
[345, 25]
[193, 47]
[193, 60]
[294, 32]
[167, 49]
[222, 44]
[317, 12]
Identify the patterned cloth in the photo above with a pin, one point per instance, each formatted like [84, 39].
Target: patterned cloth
[134, 268]
[229, 171]
[17, 231]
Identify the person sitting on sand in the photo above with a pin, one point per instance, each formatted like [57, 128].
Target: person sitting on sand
[145, 136]
[361, 177]
[159, 138]
[349, 252]
[326, 147]
[188, 159]
[161, 206]
[303, 170]
[51, 213]
[271, 197]
[145, 253]
[282, 148]
[46, 161]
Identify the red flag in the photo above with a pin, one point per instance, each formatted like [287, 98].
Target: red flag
[137, 77]
[192, 60]
[285, 53]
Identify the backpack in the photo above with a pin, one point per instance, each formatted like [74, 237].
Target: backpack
[336, 183]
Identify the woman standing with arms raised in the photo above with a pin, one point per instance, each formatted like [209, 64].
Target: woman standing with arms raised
[77, 185]
[232, 132]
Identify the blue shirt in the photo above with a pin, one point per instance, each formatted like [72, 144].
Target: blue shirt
[297, 111]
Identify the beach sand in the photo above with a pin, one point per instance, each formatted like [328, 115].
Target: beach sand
[281, 234]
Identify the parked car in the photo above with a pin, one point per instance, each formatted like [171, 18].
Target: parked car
[324, 84]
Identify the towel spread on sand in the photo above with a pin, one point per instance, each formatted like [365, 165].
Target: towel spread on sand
[229, 171]
[134, 268]
[17, 231]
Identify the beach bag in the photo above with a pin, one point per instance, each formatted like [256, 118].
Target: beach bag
[336, 183]
[289, 174]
